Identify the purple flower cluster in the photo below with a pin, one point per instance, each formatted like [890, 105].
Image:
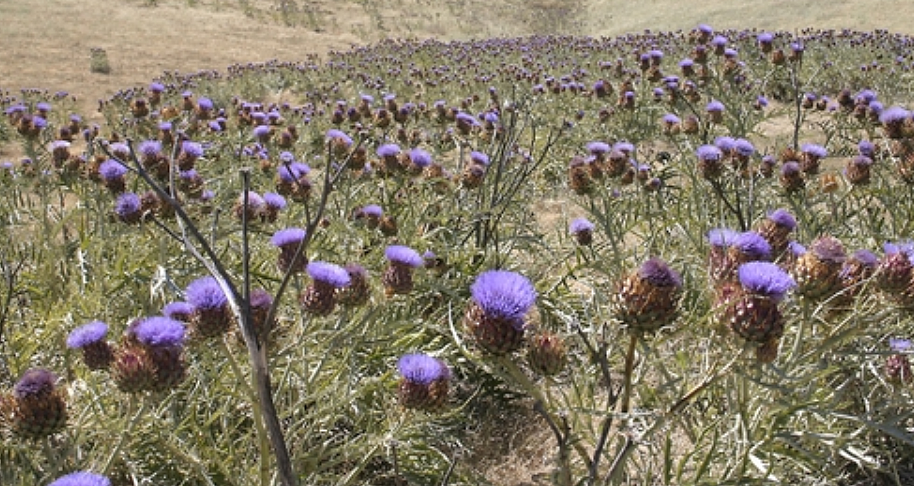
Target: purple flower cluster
[422, 369]
[504, 295]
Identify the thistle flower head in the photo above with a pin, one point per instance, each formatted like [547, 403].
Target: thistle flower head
[179, 311]
[866, 257]
[783, 218]
[422, 369]
[150, 148]
[904, 247]
[274, 201]
[338, 136]
[293, 171]
[127, 205]
[479, 158]
[34, 382]
[81, 478]
[288, 236]
[828, 249]
[328, 273]
[817, 151]
[111, 170]
[598, 148]
[656, 272]
[388, 150]
[205, 293]
[503, 294]
[420, 158]
[403, 255]
[626, 148]
[580, 224]
[796, 249]
[899, 345]
[372, 210]
[709, 153]
[714, 106]
[87, 334]
[725, 144]
[894, 114]
[158, 331]
[766, 279]
[866, 148]
[752, 245]
[765, 38]
[743, 147]
[192, 149]
[722, 237]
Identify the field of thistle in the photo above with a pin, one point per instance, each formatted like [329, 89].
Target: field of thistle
[670, 258]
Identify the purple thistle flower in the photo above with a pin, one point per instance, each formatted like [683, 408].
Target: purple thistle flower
[293, 171]
[782, 217]
[111, 170]
[205, 104]
[420, 158]
[705, 28]
[150, 148]
[156, 87]
[479, 158]
[274, 201]
[866, 257]
[719, 41]
[790, 168]
[388, 150]
[722, 237]
[159, 331]
[817, 151]
[422, 369]
[725, 144]
[43, 106]
[86, 334]
[866, 148]
[205, 294]
[753, 245]
[261, 131]
[765, 278]
[598, 148]
[796, 249]
[466, 118]
[328, 273]
[127, 205]
[504, 295]
[904, 247]
[671, 119]
[714, 107]
[626, 148]
[686, 63]
[761, 101]
[81, 478]
[403, 255]
[192, 149]
[765, 38]
[659, 274]
[743, 147]
[34, 382]
[895, 114]
[372, 210]
[288, 236]
[899, 345]
[179, 311]
[165, 126]
[339, 137]
[580, 224]
[709, 153]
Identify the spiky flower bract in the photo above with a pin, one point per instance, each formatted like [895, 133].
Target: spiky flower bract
[38, 407]
[648, 298]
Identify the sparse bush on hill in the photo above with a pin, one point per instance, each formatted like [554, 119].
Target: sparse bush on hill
[685, 256]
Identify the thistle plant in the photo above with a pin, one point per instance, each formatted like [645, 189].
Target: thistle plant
[665, 251]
